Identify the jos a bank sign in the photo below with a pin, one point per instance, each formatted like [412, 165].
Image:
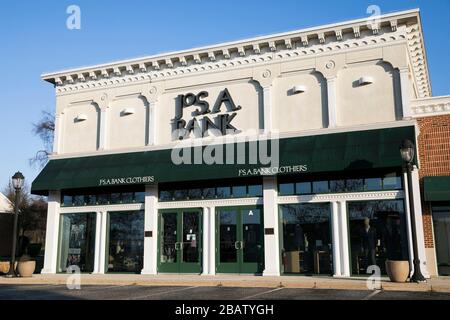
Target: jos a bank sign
[221, 122]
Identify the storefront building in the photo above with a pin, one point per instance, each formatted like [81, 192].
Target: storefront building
[275, 155]
[433, 118]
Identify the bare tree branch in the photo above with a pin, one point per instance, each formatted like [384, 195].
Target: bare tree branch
[44, 129]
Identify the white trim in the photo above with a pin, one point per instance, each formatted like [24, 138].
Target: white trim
[109, 208]
[344, 241]
[210, 203]
[52, 233]
[103, 245]
[335, 234]
[357, 196]
[206, 242]
[212, 234]
[98, 241]
[332, 102]
[271, 241]
[151, 224]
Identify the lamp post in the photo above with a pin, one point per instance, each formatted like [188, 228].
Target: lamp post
[17, 182]
[407, 153]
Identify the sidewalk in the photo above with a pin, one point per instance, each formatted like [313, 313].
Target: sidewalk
[435, 284]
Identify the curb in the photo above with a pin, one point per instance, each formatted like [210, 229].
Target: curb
[329, 284]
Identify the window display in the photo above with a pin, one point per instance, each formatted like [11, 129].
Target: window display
[377, 233]
[307, 245]
[77, 241]
[126, 241]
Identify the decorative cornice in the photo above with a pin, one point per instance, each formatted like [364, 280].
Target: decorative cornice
[356, 196]
[209, 203]
[418, 58]
[434, 106]
[291, 45]
[100, 208]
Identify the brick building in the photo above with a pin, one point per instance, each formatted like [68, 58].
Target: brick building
[433, 120]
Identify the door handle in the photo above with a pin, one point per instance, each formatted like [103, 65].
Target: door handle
[237, 245]
[177, 246]
[242, 244]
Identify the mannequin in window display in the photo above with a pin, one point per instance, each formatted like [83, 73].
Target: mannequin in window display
[299, 238]
[368, 238]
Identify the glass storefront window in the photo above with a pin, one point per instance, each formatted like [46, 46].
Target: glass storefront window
[354, 185]
[239, 191]
[209, 193]
[377, 233]
[77, 241]
[195, 193]
[127, 197]
[337, 186]
[166, 195]
[372, 184]
[67, 200]
[392, 183]
[286, 189]
[303, 188]
[78, 201]
[224, 192]
[115, 198]
[126, 241]
[102, 199]
[307, 245]
[255, 191]
[320, 187]
[139, 197]
[180, 194]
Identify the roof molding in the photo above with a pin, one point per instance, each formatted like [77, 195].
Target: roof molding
[142, 68]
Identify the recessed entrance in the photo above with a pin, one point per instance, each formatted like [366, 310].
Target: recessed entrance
[180, 243]
[239, 240]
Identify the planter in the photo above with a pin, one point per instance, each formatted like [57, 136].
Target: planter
[26, 268]
[4, 266]
[398, 271]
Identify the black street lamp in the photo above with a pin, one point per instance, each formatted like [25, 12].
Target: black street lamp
[407, 153]
[17, 182]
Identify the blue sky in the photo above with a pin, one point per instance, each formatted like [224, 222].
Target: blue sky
[35, 40]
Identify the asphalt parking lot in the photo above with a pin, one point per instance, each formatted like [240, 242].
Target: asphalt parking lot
[91, 292]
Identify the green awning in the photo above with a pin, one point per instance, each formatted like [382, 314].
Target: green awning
[436, 188]
[355, 150]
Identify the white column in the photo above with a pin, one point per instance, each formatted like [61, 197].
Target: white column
[103, 130]
[335, 239]
[58, 134]
[205, 242]
[212, 241]
[332, 102]
[151, 224]
[267, 101]
[271, 241]
[52, 233]
[103, 255]
[419, 223]
[345, 257]
[151, 139]
[405, 84]
[98, 242]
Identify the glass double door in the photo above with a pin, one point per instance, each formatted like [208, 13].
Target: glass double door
[239, 240]
[180, 241]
